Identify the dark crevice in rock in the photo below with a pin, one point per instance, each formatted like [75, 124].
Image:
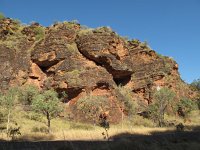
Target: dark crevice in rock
[123, 80]
[44, 69]
[103, 85]
[33, 77]
[46, 64]
[116, 74]
[73, 92]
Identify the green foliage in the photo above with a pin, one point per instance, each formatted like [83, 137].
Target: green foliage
[10, 98]
[84, 32]
[70, 24]
[2, 16]
[196, 84]
[73, 77]
[161, 100]
[104, 29]
[47, 102]
[39, 32]
[129, 104]
[27, 93]
[135, 42]
[187, 105]
[167, 68]
[8, 101]
[72, 47]
[91, 106]
[34, 116]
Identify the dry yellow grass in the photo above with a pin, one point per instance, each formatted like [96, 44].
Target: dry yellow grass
[68, 130]
[85, 135]
[96, 134]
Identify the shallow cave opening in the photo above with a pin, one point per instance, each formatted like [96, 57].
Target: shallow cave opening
[68, 94]
[72, 93]
[103, 85]
[44, 70]
[122, 80]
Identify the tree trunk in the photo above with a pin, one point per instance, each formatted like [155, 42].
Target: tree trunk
[48, 122]
[8, 123]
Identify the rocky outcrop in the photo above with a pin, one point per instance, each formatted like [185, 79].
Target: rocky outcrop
[84, 62]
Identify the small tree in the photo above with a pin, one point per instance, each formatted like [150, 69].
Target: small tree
[162, 98]
[186, 105]
[196, 84]
[48, 104]
[8, 101]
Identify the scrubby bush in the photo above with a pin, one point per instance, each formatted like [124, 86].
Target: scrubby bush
[196, 84]
[185, 106]
[27, 93]
[161, 100]
[92, 106]
[39, 33]
[72, 47]
[130, 105]
[86, 31]
[135, 42]
[2, 16]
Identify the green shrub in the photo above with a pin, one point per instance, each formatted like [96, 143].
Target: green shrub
[70, 24]
[161, 100]
[39, 33]
[135, 42]
[34, 116]
[72, 47]
[196, 84]
[86, 31]
[128, 102]
[27, 93]
[104, 29]
[187, 105]
[2, 16]
[91, 106]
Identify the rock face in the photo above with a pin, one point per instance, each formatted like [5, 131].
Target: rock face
[84, 62]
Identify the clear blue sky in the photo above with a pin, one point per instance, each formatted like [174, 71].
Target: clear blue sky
[171, 27]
